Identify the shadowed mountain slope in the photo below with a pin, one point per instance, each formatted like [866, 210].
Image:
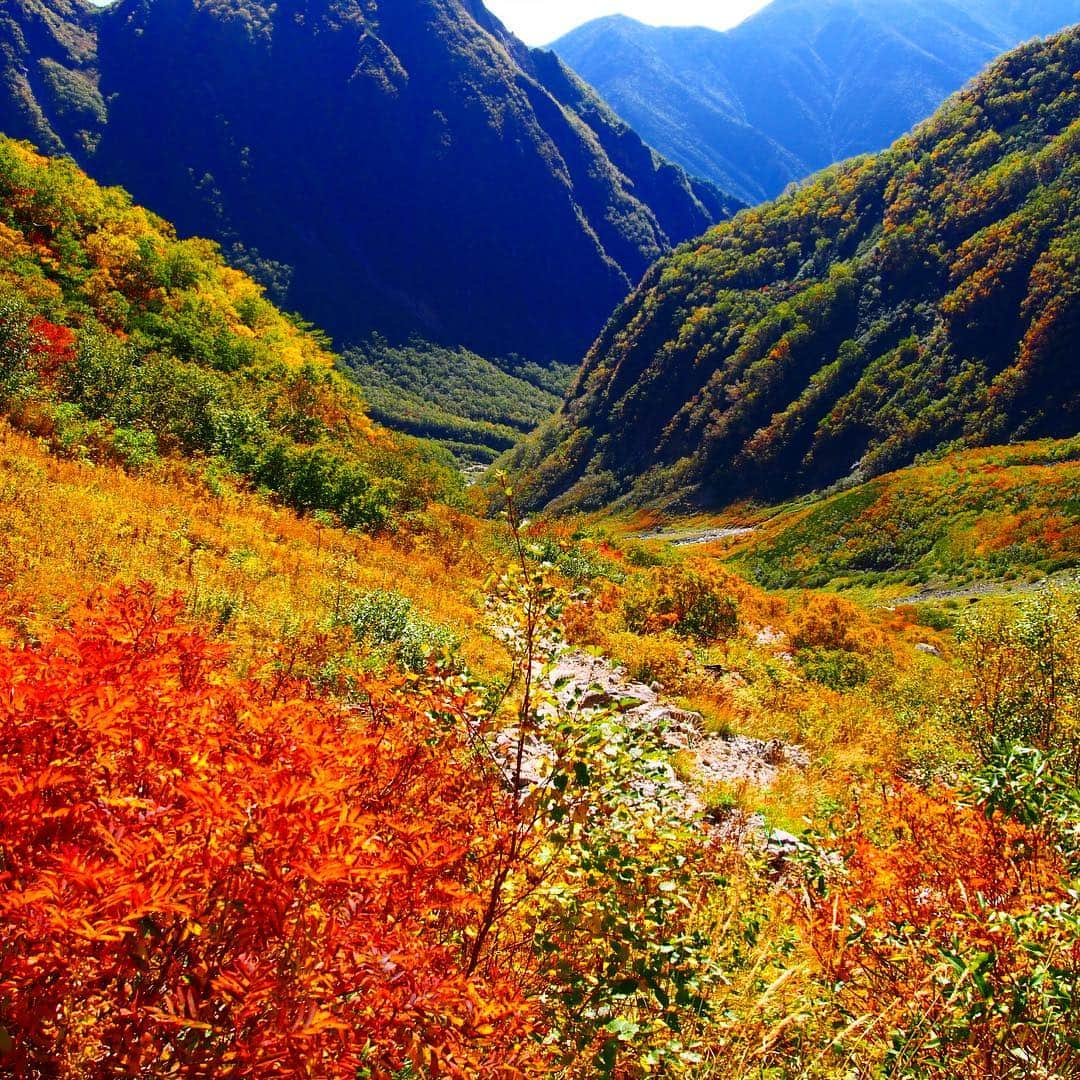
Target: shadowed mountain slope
[403, 166]
[802, 84]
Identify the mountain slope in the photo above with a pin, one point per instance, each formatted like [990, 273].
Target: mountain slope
[120, 343]
[964, 519]
[802, 84]
[899, 302]
[48, 79]
[402, 166]
[475, 408]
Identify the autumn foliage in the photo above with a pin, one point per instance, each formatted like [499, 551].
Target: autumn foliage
[950, 927]
[214, 877]
[890, 306]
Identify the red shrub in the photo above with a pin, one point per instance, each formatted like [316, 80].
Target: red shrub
[199, 876]
[52, 347]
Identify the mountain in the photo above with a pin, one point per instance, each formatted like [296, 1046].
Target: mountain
[800, 85]
[474, 407]
[403, 166]
[48, 80]
[924, 296]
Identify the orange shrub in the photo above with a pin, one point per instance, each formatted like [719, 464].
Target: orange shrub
[213, 877]
[828, 622]
[695, 600]
[946, 929]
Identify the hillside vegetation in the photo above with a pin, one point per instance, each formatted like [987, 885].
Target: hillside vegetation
[952, 526]
[315, 767]
[844, 77]
[1006, 514]
[119, 341]
[472, 406]
[48, 65]
[307, 771]
[922, 297]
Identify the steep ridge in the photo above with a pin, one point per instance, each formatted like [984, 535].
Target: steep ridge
[802, 84]
[48, 76]
[920, 297]
[402, 166]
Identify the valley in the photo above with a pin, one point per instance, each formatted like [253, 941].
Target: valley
[440, 681]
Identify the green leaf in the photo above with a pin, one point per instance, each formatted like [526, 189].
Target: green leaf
[623, 1029]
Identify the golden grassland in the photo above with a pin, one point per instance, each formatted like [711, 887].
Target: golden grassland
[271, 578]
[847, 682]
[273, 582]
[1005, 513]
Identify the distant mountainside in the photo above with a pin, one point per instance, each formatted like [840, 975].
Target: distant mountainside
[383, 165]
[48, 75]
[801, 85]
[925, 296]
[951, 523]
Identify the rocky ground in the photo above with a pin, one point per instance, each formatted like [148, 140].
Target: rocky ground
[976, 590]
[695, 539]
[583, 681]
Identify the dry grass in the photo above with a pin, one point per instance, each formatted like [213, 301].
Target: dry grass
[67, 527]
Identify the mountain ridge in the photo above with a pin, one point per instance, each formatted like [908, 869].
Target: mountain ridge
[699, 95]
[477, 186]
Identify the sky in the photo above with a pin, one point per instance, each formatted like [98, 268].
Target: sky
[539, 22]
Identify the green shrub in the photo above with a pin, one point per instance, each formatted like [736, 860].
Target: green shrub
[577, 564]
[1022, 684]
[836, 669]
[136, 449]
[389, 627]
[933, 618]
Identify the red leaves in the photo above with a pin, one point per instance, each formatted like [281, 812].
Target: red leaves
[927, 875]
[193, 878]
[52, 347]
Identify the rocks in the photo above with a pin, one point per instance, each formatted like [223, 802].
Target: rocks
[780, 848]
[773, 752]
[769, 635]
[585, 681]
[535, 759]
[927, 649]
[739, 829]
[593, 682]
[708, 536]
[738, 759]
[579, 681]
[782, 843]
